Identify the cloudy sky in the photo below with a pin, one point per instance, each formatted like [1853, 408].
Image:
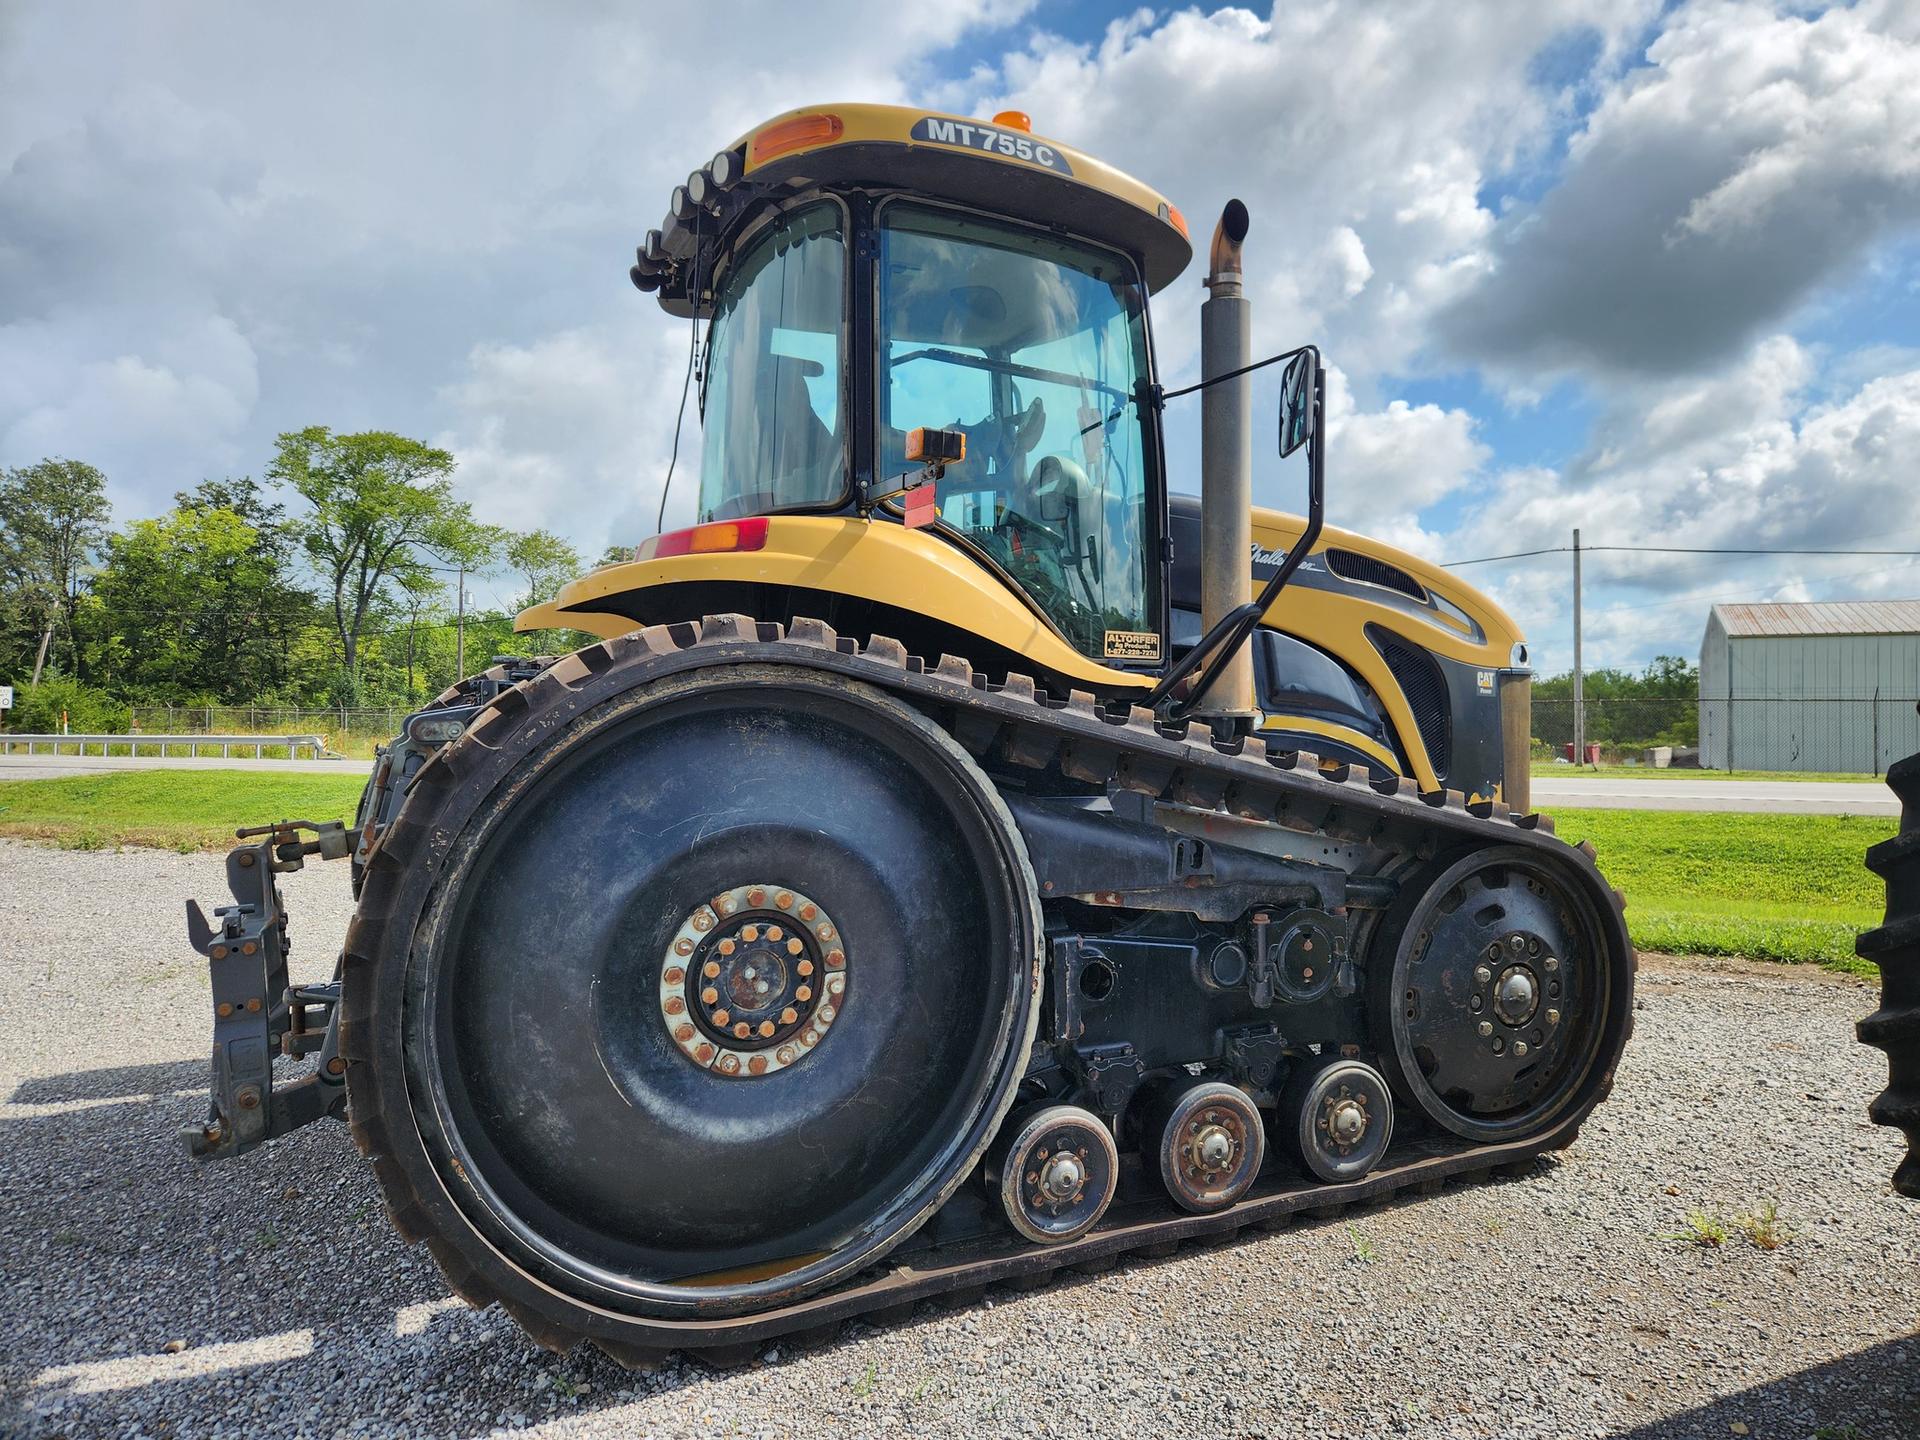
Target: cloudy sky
[1652, 270]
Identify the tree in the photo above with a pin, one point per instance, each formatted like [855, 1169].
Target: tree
[201, 600]
[546, 561]
[380, 505]
[53, 518]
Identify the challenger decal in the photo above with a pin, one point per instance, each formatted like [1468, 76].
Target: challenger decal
[990, 140]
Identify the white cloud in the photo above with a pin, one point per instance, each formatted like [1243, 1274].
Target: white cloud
[219, 221]
[1737, 460]
[1360, 138]
[571, 432]
[1755, 158]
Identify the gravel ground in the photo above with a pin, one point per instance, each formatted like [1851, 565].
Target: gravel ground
[143, 1295]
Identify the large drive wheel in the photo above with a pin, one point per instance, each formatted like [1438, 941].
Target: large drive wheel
[691, 1002]
[1506, 1004]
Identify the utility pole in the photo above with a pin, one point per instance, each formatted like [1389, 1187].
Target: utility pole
[460, 628]
[1579, 686]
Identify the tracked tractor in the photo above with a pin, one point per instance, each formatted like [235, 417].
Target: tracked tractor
[965, 855]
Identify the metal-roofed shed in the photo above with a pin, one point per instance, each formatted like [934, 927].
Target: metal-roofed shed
[1828, 685]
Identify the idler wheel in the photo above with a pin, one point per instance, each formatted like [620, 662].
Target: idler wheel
[1342, 1118]
[1209, 1143]
[1501, 998]
[1055, 1170]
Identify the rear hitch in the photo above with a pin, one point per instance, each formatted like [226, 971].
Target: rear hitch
[256, 1012]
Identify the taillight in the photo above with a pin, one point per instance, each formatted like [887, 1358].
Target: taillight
[720, 536]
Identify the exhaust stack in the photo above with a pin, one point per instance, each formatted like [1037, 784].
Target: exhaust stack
[1226, 460]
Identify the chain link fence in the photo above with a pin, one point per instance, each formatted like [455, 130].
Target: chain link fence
[1829, 734]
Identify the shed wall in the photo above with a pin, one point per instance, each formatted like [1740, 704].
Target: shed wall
[1843, 703]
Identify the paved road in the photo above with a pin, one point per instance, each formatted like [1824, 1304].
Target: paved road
[1760, 797]
[49, 767]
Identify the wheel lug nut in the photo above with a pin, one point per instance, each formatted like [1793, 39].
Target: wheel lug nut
[1482, 974]
[1486, 1028]
[1520, 1047]
[1552, 962]
[1475, 1003]
[1517, 943]
[1553, 1017]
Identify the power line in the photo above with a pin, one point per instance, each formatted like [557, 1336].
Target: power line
[1668, 550]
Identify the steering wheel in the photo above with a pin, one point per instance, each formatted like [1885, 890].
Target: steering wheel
[1006, 442]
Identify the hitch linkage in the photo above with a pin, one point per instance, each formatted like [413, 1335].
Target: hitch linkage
[256, 1012]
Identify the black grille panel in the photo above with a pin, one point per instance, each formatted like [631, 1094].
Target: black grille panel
[1426, 691]
[1351, 565]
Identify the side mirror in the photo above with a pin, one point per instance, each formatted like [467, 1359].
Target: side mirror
[1299, 397]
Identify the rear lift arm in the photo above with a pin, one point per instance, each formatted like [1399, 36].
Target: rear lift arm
[256, 1011]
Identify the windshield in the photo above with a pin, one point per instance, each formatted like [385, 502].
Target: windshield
[1032, 346]
[772, 422]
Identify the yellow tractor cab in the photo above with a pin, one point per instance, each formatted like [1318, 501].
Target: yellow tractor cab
[866, 272]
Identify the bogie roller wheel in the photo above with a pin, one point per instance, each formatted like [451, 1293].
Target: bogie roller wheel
[1054, 1171]
[1207, 1140]
[688, 994]
[1340, 1117]
[1508, 999]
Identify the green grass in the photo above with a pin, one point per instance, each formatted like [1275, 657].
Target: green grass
[1769, 887]
[168, 809]
[1548, 770]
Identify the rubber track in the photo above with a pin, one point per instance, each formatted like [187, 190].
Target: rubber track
[1895, 947]
[1015, 722]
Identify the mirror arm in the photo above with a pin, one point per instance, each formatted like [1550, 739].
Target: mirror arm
[1166, 395]
[1236, 627]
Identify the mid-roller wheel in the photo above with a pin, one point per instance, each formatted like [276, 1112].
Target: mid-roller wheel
[1208, 1141]
[1341, 1118]
[1055, 1170]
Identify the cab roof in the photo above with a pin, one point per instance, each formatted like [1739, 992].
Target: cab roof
[997, 166]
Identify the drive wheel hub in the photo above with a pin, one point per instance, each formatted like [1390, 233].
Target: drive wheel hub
[752, 980]
[1516, 995]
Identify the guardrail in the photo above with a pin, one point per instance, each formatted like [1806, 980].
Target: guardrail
[162, 745]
